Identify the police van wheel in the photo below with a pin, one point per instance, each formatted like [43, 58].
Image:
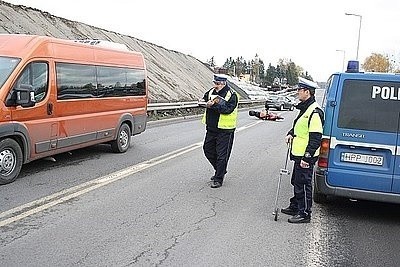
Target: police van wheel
[10, 160]
[319, 198]
[123, 141]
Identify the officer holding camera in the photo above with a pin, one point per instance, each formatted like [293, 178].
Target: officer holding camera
[220, 118]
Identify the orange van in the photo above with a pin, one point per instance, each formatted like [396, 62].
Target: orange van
[59, 95]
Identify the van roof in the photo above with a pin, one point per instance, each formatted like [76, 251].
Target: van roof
[22, 45]
[370, 76]
[16, 44]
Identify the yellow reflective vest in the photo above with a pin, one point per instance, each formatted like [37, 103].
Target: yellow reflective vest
[226, 121]
[304, 125]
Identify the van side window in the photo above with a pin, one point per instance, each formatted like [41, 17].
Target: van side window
[111, 81]
[120, 81]
[75, 81]
[35, 74]
[136, 82]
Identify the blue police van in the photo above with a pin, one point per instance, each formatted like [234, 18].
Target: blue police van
[360, 149]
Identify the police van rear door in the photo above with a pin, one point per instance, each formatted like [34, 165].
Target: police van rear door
[365, 133]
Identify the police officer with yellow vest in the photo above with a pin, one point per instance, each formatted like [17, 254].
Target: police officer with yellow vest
[220, 118]
[304, 138]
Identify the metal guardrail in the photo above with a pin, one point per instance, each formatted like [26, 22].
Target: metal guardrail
[175, 105]
[154, 107]
[192, 104]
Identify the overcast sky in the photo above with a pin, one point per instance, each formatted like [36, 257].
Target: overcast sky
[308, 32]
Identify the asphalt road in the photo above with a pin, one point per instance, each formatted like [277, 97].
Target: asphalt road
[153, 206]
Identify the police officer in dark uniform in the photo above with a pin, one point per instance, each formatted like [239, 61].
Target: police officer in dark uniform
[220, 117]
[305, 138]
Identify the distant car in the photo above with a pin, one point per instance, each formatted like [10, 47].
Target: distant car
[294, 100]
[279, 102]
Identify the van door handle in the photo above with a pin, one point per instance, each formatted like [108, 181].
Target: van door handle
[49, 108]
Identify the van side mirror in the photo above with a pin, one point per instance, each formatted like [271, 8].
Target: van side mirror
[25, 95]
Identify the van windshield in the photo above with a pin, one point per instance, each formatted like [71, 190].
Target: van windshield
[370, 105]
[7, 65]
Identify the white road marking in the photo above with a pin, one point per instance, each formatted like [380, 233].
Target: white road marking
[248, 126]
[46, 202]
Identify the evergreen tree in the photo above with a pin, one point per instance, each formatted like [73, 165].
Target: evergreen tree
[270, 74]
[261, 70]
[284, 70]
[292, 74]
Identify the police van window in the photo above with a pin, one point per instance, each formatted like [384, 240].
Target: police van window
[75, 81]
[326, 91]
[366, 107]
[36, 75]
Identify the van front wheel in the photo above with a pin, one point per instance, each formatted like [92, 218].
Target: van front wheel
[123, 141]
[10, 160]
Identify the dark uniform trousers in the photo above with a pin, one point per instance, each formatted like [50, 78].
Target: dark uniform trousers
[217, 149]
[302, 186]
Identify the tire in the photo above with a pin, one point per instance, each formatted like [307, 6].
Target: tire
[318, 197]
[123, 140]
[291, 108]
[10, 160]
[281, 107]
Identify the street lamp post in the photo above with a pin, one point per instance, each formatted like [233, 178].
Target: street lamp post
[344, 56]
[359, 30]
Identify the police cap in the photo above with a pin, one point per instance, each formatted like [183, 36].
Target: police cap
[306, 84]
[220, 78]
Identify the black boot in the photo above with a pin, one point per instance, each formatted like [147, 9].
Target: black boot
[289, 211]
[216, 184]
[300, 219]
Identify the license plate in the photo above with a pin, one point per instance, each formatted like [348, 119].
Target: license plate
[362, 158]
